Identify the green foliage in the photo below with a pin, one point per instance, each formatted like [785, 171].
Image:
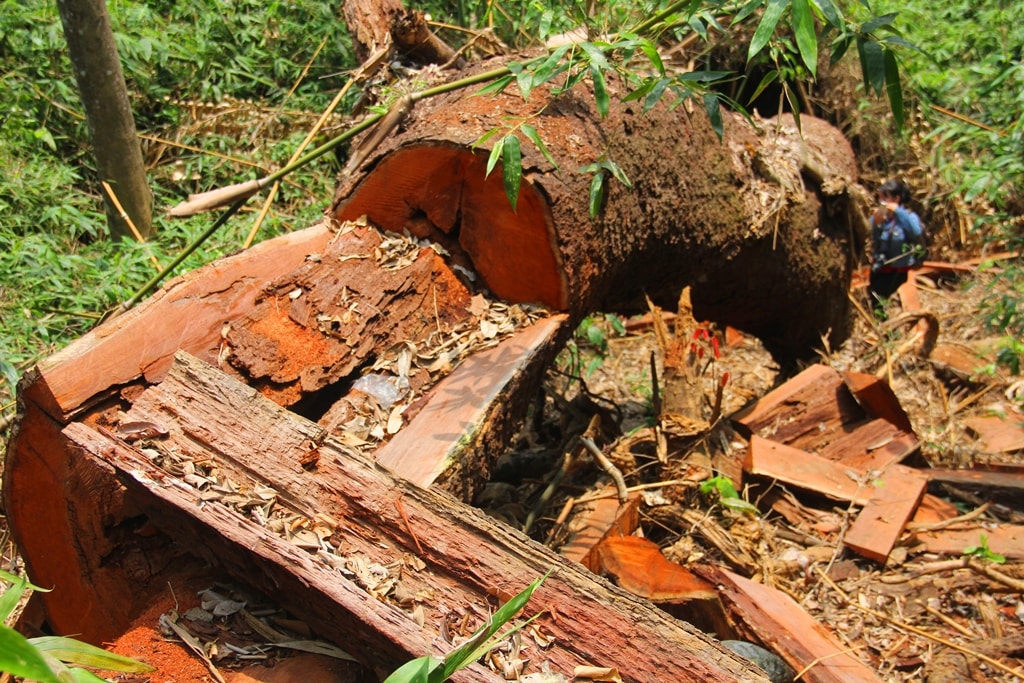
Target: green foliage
[983, 552]
[430, 669]
[45, 658]
[727, 494]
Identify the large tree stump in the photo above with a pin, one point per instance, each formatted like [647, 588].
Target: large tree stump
[758, 223]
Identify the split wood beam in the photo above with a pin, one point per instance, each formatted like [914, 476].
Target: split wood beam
[769, 616]
[451, 558]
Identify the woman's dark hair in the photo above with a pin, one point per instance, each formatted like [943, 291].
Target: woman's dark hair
[896, 188]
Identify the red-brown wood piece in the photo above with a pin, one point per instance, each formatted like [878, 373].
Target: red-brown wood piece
[894, 497]
[773, 618]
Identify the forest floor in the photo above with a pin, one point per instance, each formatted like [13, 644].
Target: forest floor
[920, 616]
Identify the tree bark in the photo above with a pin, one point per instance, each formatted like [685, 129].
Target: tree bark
[445, 556]
[762, 223]
[108, 112]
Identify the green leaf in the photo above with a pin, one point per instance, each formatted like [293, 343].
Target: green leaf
[617, 172]
[832, 15]
[878, 22]
[496, 152]
[654, 96]
[531, 134]
[714, 110]
[746, 11]
[550, 67]
[19, 658]
[595, 335]
[893, 87]
[767, 80]
[512, 168]
[806, 38]
[74, 651]
[596, 193]
[769, 20]
[601, 98]
[872, 64]
[9, 598]
[485, 137]
[469, 651]
[415, 671]
[648, 48]
[839, 47]
[596, 56]
[496, 86]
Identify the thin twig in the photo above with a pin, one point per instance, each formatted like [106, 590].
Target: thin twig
[128, 220]
[946, 523]
[913, 629]
[609, 467]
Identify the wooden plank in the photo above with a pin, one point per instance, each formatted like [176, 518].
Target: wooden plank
[880, 523]
[468, 559]
[877, 398]
[444, 438]
[978, 477]
[187, 313]
[1005, 539]
[806, 470]
[805, 412]
[769, 616]
[871, 445]
[999, 434]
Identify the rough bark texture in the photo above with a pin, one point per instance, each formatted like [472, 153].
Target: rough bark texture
[108, 112]
[758, 223]
[376, 23]
[469, 559]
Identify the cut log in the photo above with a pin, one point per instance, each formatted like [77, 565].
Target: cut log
[446, 556]
[734, 218]
[279, 315]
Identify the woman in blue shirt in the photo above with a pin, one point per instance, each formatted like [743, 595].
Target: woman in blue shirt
[896, 242]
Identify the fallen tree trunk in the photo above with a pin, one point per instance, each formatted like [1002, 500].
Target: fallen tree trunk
[760, 223]
[444, 558]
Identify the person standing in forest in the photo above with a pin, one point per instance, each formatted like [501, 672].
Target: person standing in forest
[897, 243]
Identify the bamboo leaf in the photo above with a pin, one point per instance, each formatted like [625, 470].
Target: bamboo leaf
[617, 172]
[656, 93]
[714, 109]
[878, 22]
[485, 137]
[496, 86]
[746, 11]
[769, 20]
[596, 56]
[651, 52]
[10, 597]
[767, 80]
[831, 13]
[839, 47]
[469, 651]
[492, 160]
[74, 651]
[806, 38]
[512, 168]
[531, 134]
[415, 671]
[596, 193]
[601, 98]
[872, 63]
[19, 658]
[893, 88]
